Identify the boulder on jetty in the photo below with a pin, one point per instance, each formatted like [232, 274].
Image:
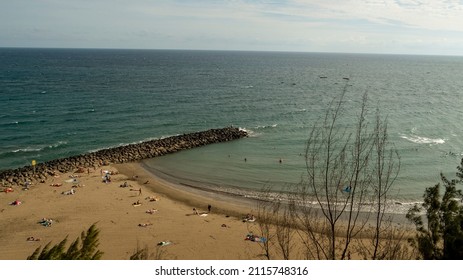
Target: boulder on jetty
[121, 154]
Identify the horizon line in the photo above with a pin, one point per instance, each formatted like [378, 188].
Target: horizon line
[236, 50]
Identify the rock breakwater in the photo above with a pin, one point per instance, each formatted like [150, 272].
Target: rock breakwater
[121, 154]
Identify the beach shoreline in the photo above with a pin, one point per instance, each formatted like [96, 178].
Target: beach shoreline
[223, 203]
[166, 213]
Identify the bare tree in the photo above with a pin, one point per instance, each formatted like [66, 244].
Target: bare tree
[267, 211]
[386, 167]
[285, 227]
[349, 175]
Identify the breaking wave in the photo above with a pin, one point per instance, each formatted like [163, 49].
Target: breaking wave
[423, 140]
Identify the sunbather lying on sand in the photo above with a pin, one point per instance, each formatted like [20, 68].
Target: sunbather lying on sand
[151, 211]
[56, 185]
[46, 222]
[249, 218]
[31, 238]
[16, 202]
[152, 198]
[70, 192]
[145, 224]
[138, 203]
[164, 243]
[255, 238]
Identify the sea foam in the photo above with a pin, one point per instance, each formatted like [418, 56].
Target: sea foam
[423, 140]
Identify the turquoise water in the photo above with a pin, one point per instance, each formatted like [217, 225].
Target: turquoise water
[61, 102]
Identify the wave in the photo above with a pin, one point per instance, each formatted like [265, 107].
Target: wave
[251, 133]
[26, 150]
[25, 122]
[37, 148]
[266, 126]
[57, 144]
[423, 140]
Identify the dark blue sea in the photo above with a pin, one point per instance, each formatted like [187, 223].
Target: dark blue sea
[61, 102]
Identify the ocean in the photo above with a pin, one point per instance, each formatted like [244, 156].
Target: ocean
[61, 102]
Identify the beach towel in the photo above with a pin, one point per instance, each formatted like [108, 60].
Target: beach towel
[72, 181]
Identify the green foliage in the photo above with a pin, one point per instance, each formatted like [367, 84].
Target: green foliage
[141, 254]
[83, 248]
[441, 237]
[146, 254]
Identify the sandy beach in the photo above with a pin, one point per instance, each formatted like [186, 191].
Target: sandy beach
[219, 234]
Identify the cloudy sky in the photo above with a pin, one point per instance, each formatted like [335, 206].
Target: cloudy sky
[348, 26]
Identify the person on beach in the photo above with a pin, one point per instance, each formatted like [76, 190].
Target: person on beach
[46, 222]
[139, 192]
[7, 190]
[209, 208]
[151, 211]
[145, 224]
[31, 238]
[195, 211]
[249, 218]
[16, 202]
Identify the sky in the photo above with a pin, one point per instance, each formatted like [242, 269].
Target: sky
[429, 27]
